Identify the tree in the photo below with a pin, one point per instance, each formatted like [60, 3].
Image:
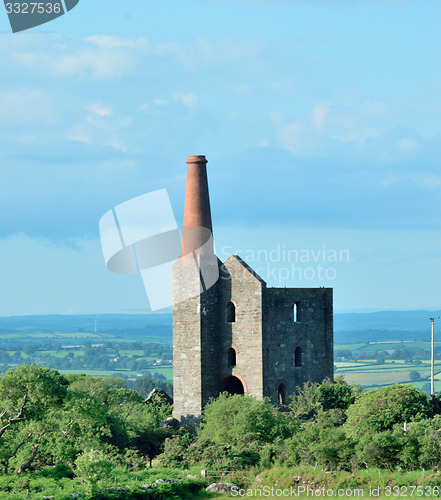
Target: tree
[232, 419]
[414, 376]
[318, 444]
[29, 391]
[338, 394]
[379, 410]
[30, 395]
[144, 386]
[305, 402]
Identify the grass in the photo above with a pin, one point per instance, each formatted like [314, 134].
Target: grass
[372, 483]
[45, 484]
[305, 482]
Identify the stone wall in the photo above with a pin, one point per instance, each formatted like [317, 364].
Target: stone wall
[239, 284]
[312, 333]
[264, 336]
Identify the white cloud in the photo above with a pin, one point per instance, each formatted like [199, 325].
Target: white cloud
[189, 100]
[228, 49]
[319, 113]
[407, 145]
[96, 64]
[240, 89]
[374, 108]
[79, 134]
[96, 57]
[159, 102]
[113, 42]
[116, 143]
[100, 109]
[359, 135]
[289, 135]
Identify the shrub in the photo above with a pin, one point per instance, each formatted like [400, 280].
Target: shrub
[379, 410]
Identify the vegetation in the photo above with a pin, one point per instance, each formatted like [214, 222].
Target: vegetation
[129, 360]
[66, 435]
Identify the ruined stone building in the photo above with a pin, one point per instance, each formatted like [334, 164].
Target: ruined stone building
[230, 331]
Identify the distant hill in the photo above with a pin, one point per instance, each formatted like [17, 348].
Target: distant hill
[348, 327]
[75, 329]
[384, 325]
[85, 322]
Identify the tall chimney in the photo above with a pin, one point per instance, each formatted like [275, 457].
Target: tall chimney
[197, 231]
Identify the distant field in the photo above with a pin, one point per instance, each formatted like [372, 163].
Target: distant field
[370, 374]
[366, 372]
[385, 345]
[76, 338]
[381, 378]
[167, 371]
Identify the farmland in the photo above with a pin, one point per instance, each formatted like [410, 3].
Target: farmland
[375, 364]
[371, 349]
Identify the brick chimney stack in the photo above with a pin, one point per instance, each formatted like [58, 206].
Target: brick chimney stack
[197, 230]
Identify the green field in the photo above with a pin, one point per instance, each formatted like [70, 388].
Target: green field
[167, 371]
[75, 338]
[360, 368]
[375, 346]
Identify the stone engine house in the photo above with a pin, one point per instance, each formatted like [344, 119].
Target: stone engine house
[230, 331]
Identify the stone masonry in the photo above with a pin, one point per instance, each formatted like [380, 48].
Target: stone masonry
[239, 335]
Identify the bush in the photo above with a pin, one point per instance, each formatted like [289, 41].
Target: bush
[235, 419]
[379, 410]
[337, 395]
[315, 445]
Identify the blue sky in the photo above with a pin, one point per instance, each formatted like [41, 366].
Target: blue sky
[320, 120]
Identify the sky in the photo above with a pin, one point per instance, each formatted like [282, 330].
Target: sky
[320, 121]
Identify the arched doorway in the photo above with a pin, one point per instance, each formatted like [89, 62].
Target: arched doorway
[233, 385]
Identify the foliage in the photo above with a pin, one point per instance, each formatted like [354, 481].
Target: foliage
[337, 394]
[92, 466]
[323, 445]
[234, 419]
[414, 376]
[305, 402]
[381, 449]
[82, 433]
[179, 450]
[379, 410]
[144, 385]
[48, 419]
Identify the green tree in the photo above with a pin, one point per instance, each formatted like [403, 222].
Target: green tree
[29, 391]
[305, 402]
[337, 394]
[30, 396]
[377, 411]
[414, 376]
[318, 444]
[232, 419]
[381, 449]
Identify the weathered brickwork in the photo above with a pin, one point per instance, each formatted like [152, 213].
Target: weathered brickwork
[239, 335]
[311, 335]
[276, 348]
